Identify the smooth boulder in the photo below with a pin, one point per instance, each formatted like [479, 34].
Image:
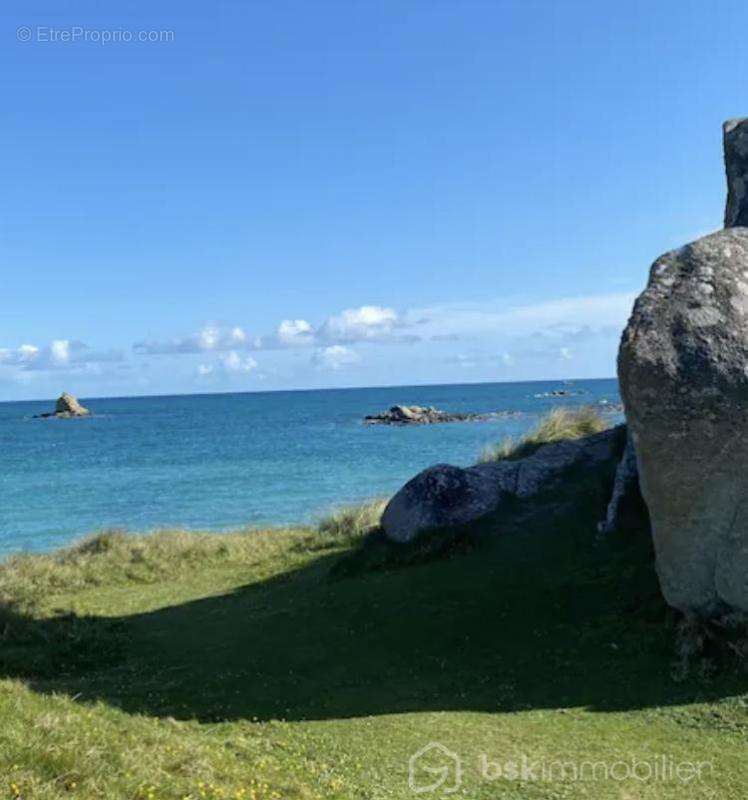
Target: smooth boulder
[683, 371]
[446, 496]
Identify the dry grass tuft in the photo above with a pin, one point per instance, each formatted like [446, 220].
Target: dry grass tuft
[351, 523]
[558, 425]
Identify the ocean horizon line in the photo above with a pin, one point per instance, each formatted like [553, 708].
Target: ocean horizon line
[307, 390]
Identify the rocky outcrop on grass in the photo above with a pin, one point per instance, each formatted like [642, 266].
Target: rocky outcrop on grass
[446, 496]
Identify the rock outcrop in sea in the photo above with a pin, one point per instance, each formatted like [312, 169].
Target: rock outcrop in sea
[418, 415]
[66, 407]
[683, 370]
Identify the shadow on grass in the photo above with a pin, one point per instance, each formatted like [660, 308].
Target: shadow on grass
[536, 619]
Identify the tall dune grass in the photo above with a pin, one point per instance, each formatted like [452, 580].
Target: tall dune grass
[558, 425]
[354, 521]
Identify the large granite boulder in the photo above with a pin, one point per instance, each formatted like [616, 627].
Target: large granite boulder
[448, 496]
[683, 370]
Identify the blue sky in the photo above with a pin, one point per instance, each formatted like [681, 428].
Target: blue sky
[293, 194]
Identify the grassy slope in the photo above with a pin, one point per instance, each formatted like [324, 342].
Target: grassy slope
[237, 666]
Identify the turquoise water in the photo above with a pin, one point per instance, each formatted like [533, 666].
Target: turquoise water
[219, 461]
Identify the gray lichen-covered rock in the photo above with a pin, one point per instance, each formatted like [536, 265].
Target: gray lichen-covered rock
[735, 136]
[448, 496]
[444, 495]
[625, 491]
[546, 469]
[683, 369]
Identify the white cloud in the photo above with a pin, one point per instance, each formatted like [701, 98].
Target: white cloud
[533, 339]
[238, 335]
[24, 354]
[59, 354]
[356, 324]
[27, 352]
[334, 357]
[210, 338]
[364, 324]
[293, 332]
[231, 363]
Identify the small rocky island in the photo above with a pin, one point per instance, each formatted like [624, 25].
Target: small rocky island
[67, 407]
[419, 415]
[557, 393]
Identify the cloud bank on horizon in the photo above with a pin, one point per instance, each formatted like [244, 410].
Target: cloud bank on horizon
[367, 345]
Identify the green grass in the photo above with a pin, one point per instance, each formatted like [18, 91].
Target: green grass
[558, 425]
[350, 523]
[244, 666]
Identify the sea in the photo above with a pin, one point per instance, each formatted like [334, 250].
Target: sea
[223, 461]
